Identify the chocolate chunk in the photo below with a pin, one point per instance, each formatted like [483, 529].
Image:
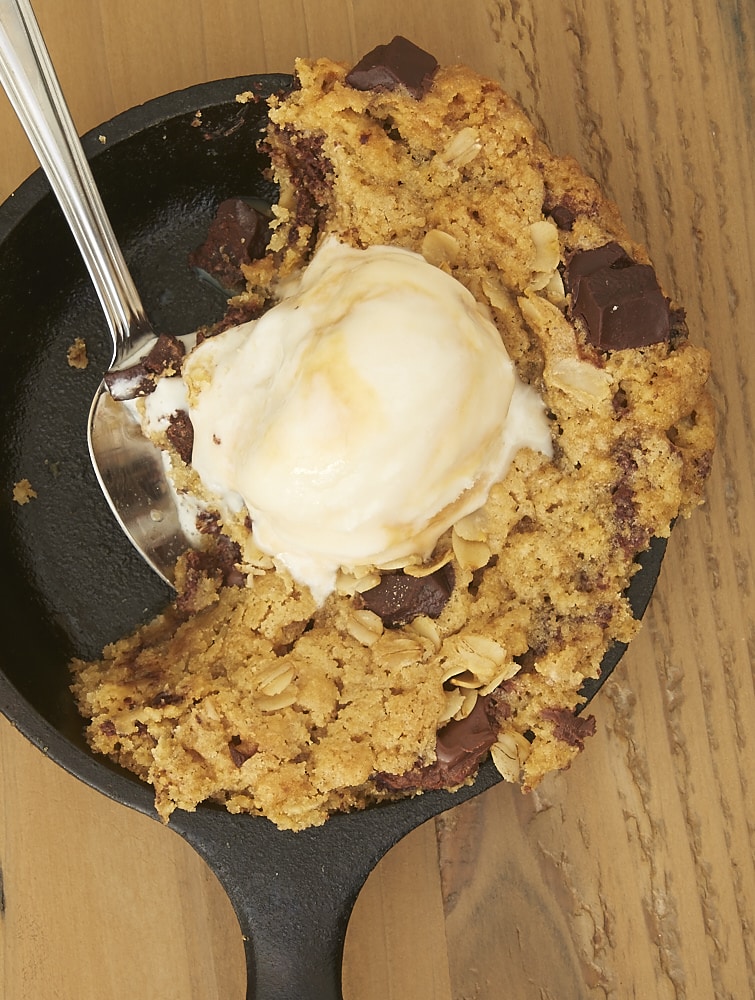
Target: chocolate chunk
[620, 403]
[619, 301]
[218, 562]
[399, 598]
[464, 742]
[586, 262]
[563, 216]
[208, 522]
[164, 698]
[228, 555]
[166, 355]
[180, 433]
[241, 750]
[572, 729]
[237, 235]
[235, 315]
[461, 745]
[631, 533]
[143, 731]
[164, 358]
[305, 158]
[498, 707]
[401, 63]
[128, 383]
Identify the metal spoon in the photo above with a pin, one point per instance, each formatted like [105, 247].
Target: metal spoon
[128, 466]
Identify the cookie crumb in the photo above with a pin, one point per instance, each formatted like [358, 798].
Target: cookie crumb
[77, 354]
[23, 492]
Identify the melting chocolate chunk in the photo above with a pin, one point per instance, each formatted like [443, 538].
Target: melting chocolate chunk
[619, 301]
[237, 235]
[165, 357]
[400, 63]
[461, 746]
[180, 433]
[465, 741]
[399, 598]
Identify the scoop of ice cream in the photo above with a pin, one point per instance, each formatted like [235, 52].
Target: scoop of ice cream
[361, 416]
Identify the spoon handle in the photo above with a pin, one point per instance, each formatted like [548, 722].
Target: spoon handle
[30, 81]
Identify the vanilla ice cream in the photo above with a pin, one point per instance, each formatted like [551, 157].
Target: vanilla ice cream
[361, 416]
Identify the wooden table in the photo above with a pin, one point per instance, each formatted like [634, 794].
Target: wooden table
[631, 875]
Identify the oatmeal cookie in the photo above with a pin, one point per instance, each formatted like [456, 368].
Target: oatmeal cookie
[248, 691]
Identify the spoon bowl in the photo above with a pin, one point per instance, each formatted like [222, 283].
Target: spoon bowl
[131, 474]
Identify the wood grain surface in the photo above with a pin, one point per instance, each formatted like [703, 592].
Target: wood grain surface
[631, 875]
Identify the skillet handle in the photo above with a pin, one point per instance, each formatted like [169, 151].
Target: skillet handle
[293, 893]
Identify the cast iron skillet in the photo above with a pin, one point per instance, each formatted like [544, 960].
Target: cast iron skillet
[71, 581]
